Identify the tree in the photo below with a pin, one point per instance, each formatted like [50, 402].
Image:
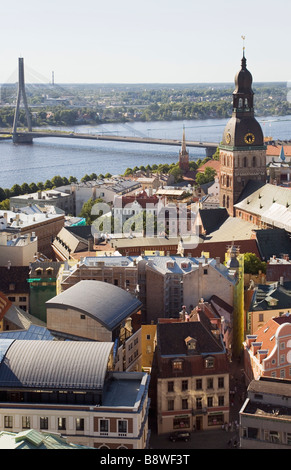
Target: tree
[33, 188]
[252, 264]
[57, 181]
[15, 190]
[177, 173]
[86, 211]
[73, 179]
[2, 195]
[5, 205]
[48, 184]
[25, 189]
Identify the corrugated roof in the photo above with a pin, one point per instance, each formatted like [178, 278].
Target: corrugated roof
[107, 303]
[58, 364]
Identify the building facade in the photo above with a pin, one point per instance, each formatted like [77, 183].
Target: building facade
[267, 351]
[191, 375]
[265, 415]
[69, 387]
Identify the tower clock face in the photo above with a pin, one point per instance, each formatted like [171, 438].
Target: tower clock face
[228, 138]
[249, 138]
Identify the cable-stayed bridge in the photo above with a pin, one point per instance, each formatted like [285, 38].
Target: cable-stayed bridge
[26, 136]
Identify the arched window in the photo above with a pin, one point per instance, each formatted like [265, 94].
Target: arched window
[254, 162]
[227, 202]
[223, 201]
[227, 181]
[245, 162]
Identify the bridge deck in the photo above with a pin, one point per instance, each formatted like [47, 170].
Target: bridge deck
[140, 140]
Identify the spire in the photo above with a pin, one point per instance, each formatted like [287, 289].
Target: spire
[282, 154]
[183, 141]
[243, 61]
[184, 155]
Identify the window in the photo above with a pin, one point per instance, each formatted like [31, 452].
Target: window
[184, 385]
[22, 299]
[122, 426]
[210, 383]
[116, 282]
[43, 423]
[171, 386]
[170, 405]
[199, 403]
[274, 436]
[198, 384]
[8, 421]
[104, 425]
[221, 400]
[220, 382]
[82, 317]
[61, 424]
[209, 363]
[79, 424]
[261, 317]
[25, 422]
[177, 365]
[209, 402]
[205, 271]
[148, 336]
[282, 345]
[253, 433]
[184, 404]
[282, 373]
[282, 358]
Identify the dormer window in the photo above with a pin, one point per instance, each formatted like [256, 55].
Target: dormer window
[209, 362]
[191, 344]
[177, 364]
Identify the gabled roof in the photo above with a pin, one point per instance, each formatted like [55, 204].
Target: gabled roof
[171, 338]
[273, 241]
[260, 201]
[266, 334]
[16, 275]
[212, 219]
[271, 297]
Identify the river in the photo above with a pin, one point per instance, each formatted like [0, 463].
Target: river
[48, 157]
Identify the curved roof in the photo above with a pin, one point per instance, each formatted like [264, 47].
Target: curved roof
[108, 304]
[49, 364]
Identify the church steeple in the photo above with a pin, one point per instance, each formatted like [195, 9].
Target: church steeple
[242, 151]
[184, 155]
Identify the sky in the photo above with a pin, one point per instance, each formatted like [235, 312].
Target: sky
[151, 41]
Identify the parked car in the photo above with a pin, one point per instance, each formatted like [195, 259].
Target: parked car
[180, 436]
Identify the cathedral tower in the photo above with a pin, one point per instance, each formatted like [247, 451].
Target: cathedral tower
[242, 150]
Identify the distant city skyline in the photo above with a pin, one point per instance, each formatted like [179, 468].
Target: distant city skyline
[157, 41]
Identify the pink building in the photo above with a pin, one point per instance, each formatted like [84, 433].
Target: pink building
[268, 351]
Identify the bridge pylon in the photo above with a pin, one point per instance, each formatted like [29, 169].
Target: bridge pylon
[21, 94]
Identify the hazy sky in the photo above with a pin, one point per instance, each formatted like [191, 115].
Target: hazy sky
[151, 41]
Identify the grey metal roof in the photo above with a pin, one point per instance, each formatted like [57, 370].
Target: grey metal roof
[49, 364]
[108, 304]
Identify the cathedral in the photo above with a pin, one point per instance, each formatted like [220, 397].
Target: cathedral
[242, 152]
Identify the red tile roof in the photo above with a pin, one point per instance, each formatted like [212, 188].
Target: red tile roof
[274, 150]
